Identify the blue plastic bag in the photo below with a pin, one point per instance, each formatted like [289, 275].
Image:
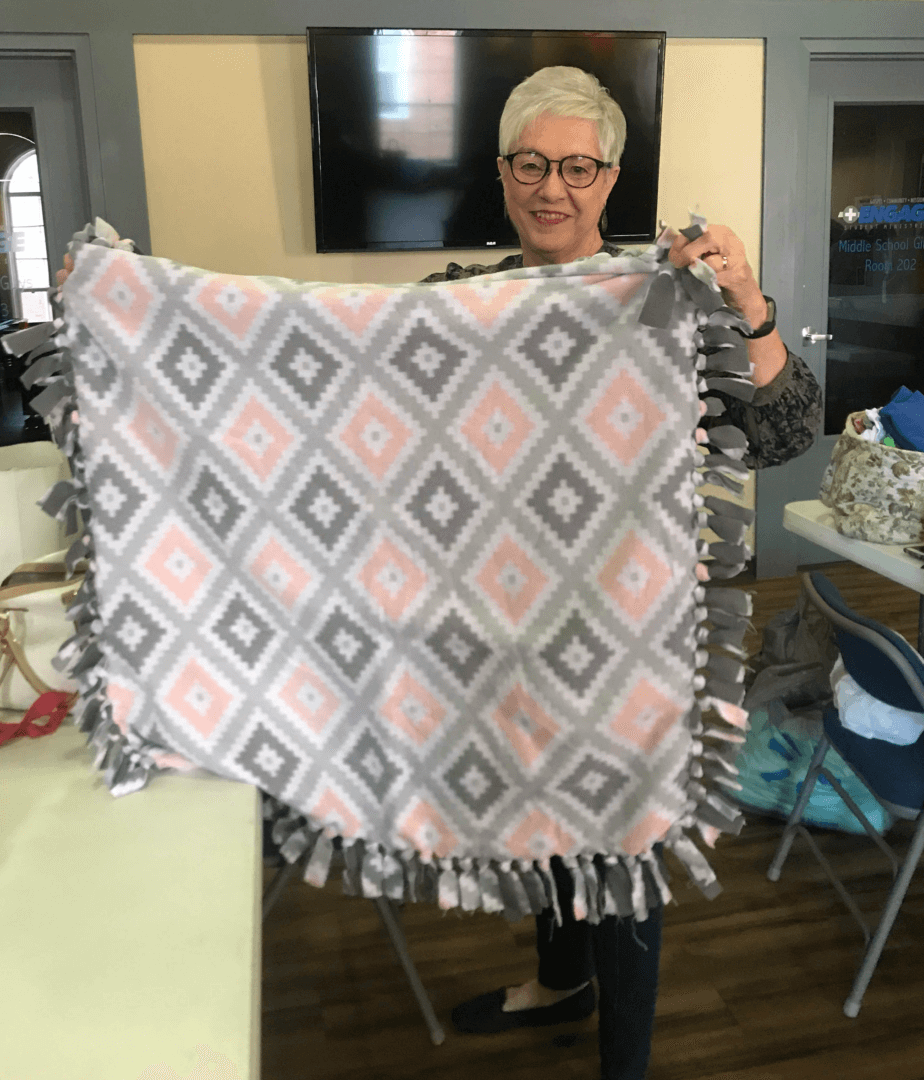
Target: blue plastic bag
[772, 766]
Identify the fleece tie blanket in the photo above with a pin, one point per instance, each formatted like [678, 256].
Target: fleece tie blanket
[422, 562]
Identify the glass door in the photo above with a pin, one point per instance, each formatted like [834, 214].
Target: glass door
[876, 258]
[860, 270]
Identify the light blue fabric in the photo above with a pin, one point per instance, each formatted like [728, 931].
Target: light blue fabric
[772, 766]
[903, 418]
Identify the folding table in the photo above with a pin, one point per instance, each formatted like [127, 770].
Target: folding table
[130, 931]
[813, 520]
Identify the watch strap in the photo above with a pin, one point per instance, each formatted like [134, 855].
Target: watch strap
[768, 325]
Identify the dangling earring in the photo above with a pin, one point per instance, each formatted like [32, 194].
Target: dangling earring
[604, 221]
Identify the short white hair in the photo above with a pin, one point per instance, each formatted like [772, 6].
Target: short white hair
[564, 91]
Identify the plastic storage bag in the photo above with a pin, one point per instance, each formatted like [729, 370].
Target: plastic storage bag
[870, 717]
[773, 763]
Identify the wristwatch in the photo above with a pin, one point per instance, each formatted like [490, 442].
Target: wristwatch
[769, 324]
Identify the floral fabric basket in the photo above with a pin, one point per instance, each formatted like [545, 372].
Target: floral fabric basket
[876, 491]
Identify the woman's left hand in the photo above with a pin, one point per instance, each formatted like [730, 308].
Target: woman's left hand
[721, 249]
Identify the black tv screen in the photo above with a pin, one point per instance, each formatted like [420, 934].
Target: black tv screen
[404, 131]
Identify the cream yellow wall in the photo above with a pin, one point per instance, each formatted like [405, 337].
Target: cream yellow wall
[227, 154]
[712, 135]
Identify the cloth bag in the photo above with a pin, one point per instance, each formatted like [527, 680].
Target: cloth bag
[798, 651]
[27, 471]
[875, 491]
[33, 626]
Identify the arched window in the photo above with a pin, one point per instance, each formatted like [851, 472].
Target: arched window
[28, 262]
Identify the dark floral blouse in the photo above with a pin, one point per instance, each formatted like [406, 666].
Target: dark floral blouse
[780, 422]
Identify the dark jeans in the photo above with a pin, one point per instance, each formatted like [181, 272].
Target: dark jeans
[627, 975]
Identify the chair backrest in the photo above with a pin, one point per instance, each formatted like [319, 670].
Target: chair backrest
[878, 658]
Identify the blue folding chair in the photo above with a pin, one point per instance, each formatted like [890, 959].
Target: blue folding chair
[887, 667]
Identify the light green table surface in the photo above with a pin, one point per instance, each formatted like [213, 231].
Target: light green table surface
[129, 927]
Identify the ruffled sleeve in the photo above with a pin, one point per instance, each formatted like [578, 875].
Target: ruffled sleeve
[782, 419]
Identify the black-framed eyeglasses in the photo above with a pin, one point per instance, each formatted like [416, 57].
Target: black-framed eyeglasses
[576, 170]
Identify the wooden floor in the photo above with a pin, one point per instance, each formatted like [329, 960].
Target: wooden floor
[752, 983]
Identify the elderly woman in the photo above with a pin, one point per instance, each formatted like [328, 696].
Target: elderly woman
[561, 137]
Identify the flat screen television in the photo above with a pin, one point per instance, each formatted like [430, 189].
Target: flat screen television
[404, 131]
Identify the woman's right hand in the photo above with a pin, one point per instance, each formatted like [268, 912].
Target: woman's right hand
[63, 275]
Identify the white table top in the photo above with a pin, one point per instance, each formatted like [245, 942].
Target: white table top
[129, 927]
[813, 520]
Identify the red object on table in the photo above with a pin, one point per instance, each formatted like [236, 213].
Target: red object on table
[54, 704]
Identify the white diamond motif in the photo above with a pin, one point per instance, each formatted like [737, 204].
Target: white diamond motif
[413, 709]
[347, 645]
[269, 760]
[122, 295]
[497, 428]
[540, 845]
[376, 436]
[353, 300]
[179, 564]
[428, 359]
[244, 630]
[634, 576]
[324, 508]
[511, 579]
[565, 501]
[132, 633]
[557, 345]
[429, 835]
[391, 578]
[441, 506]
[276, 577]
[198, 697]
[215, 505]
[460, 649]
[624, 418]
[310, 697]
[305, 366]
[475, 782]
[110, 497]
[232, 299]
[373, 765]
[577, 656]
[191, 366]
[592, 782]
[258, 438]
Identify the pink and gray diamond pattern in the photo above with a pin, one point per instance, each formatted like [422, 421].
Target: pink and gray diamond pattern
[416, 560]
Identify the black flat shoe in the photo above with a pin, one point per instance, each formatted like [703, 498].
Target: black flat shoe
[485, 1014]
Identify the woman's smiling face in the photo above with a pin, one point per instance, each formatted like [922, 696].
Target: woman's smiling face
[557, 223]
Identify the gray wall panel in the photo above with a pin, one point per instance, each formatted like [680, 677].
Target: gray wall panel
[119, 119]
